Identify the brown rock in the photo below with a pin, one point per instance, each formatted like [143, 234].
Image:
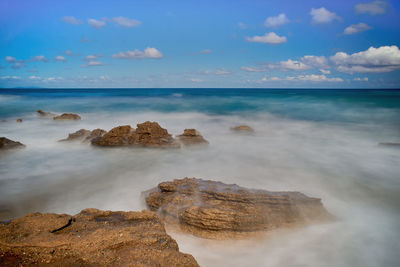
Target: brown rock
[151, 134]
[6, 143]
[390, 144]
[67, 116]
[118, 136]
[217, 210]
[90, 238]
[45, 113]
[94, 134]
[79, 135]
[191, 137]
[242, 128]
[147, 134]
[19, 120]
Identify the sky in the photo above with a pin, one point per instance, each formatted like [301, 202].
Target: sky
[200, 44]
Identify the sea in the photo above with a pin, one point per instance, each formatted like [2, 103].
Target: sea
[321, 142]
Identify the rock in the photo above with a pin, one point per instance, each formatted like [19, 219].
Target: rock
[147, 134]
[390, 144]
[45, 113]
[242, 128]
[191, 137]
[90, 238]
[216, 210]
[118, 136]
[94, 134]
[67, 116]
[19, 120]
[6, 143]
[79, 135]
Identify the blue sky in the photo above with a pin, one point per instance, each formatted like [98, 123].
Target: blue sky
[188, 43]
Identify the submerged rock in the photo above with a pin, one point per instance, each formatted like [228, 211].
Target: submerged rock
[45, 113]
[217, 210]
[90, 238]
[6, 143]
[191, 137]
[242, 128]
[84, 135]
[67, 116]
[390, 144]
[147, 134]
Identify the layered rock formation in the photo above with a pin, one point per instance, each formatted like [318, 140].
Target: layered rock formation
[147, 134]
[6, 143]
[67, 116]
[242, 128]
[90, 238]
[217, 210]
[191, 137]
[84, 135]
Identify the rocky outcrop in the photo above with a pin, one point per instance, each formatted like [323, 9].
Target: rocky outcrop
[84, 135]
[242, 128]
[6, 143]
[45, 113]
[90, 238]
[191, 137]
[147, 134]
[67, 116]
[217, 210]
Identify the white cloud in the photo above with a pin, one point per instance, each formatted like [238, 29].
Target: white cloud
[33, 77]
[126, 22]
[92, 57]
[356, 28]
[381, 59]
[322, 15]
[313, 78]
[149, 52]
[325, 71]
[196, 80]
[10, 78]
[222, 72]
[290, 65]
[205, 51]
[277, 21]
[254, 69]
[268, 38]
[315, 61]
[69, 53]
[10, 59]
[60, 58]
[372, 8]
[93, 63]
[96, 23]
[39, 58]
[358, 79]
[242, 25]
[71, 20]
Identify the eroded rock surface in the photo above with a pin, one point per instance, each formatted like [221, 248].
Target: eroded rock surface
[242, 128]
[217, 210]
[6, 143]
[147, 134]
[67, 116]
[191, 137]
[84, 135]
[90, 238]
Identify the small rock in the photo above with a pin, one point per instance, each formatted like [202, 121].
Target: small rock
[191, 137]
[242, 128]
[6, 143]
[19, 120]
[45, 113]
[67, 116]
[390, 144]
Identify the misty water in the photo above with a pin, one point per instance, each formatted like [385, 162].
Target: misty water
[323, 143]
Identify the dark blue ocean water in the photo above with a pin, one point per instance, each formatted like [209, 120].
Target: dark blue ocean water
[382, 106]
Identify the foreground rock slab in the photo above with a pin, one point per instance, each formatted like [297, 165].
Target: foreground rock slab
[191, 137]
[67, 116]
[90, 238]
[216, 210]
[6, 143]
[147, 134]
